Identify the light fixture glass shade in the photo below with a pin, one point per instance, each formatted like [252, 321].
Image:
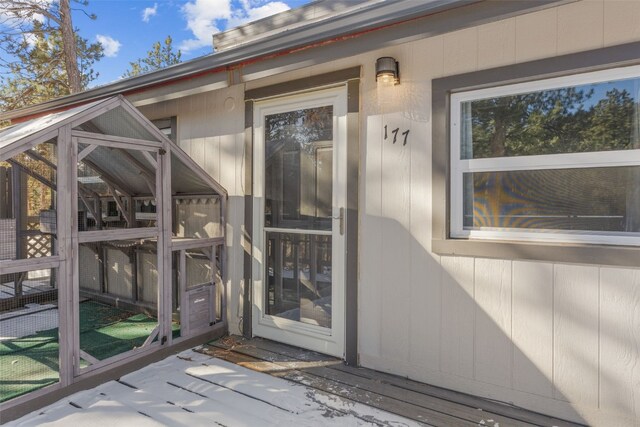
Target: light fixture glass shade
[387, 71]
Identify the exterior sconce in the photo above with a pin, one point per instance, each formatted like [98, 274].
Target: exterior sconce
[387, 71]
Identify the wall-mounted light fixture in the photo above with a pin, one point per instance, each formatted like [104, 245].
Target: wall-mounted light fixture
[387, 71]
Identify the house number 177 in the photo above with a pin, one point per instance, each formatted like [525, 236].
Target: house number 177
[395, 132]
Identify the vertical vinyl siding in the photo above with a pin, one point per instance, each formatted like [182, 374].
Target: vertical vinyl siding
[621, 22]
[148, 276]
[371, 284]
[461, 48]
[497, 44]
[89, 268]
[119, 273]
[580, 26]
[396, 259]
[619, 340]
[458, 317]
[575, 334]
[493, 361]
[556, 338]
[532, 327]
[536, 35]
[425, 277]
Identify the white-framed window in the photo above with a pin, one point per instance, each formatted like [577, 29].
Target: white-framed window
[548, 160]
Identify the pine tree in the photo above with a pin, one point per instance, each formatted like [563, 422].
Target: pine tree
[42, 57]
[160, 56]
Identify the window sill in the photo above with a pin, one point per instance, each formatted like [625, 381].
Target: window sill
[575, 253]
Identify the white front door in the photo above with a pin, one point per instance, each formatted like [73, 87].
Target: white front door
[298, 244]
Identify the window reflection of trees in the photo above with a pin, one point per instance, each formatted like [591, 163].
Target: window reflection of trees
[300, 127]
[298, 168]
[598, 117]
[589, 118]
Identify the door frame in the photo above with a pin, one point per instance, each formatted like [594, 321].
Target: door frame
[163, 322]
[325, 340]
[351, 78]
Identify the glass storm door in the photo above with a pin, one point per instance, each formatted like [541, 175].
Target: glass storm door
[299, 185]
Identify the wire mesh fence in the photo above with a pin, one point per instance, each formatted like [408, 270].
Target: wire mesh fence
[28, 203]
[29, 339]
[118, 306]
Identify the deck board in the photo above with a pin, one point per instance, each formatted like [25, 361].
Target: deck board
[329, 387]
[363, 390]
[391, 393]
[195, 389]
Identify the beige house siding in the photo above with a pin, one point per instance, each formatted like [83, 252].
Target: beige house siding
[556, 338]
[211, 130]
[561, 339]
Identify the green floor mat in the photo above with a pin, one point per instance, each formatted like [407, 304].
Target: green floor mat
[28, 363]
[31, 362]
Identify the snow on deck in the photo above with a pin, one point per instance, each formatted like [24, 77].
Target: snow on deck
[193, 389]
[30, 320]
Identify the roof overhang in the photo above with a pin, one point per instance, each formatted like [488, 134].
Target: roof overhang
[206, 73]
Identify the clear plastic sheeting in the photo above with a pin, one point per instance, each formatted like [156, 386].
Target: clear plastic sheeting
[21, 131]
[118, 122]
[184, 180]
[127, 170]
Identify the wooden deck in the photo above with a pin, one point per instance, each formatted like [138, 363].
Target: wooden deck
[193, 389]
[237, 382]
[416, 401]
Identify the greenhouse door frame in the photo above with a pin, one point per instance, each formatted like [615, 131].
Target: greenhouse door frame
[162, 232]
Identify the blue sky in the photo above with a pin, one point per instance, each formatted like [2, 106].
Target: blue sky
[128, 28]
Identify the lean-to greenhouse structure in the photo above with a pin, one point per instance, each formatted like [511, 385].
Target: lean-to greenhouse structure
[111, 247]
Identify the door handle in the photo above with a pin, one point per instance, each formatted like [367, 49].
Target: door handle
[341, 218]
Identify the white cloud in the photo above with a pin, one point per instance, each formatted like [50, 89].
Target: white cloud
[249, 14]
[207, 17]
[110, 45]
[201, 16]
[148, 12]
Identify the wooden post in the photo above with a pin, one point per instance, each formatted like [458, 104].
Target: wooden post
[68, 272]
[131, 212]
[9, 193]
[223, 258]
[97, 205]
[103, 257]
[19, 201]
[133, 259]
[18, 210]
[3, 193]
[184, 304]
[163, 204]
[125, 212]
